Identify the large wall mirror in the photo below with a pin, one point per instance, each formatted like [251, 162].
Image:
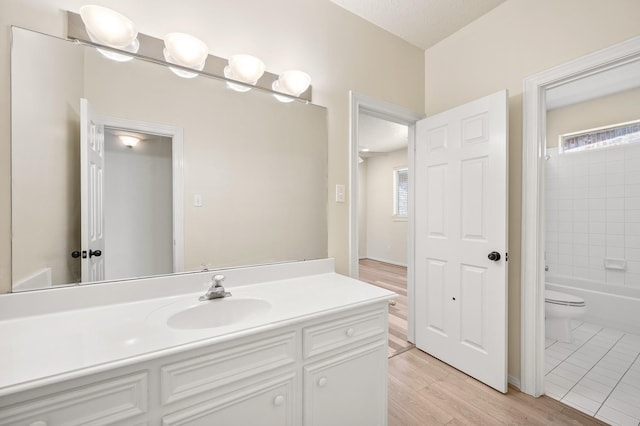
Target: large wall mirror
[217, 179]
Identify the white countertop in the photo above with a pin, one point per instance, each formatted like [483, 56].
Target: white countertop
[41, 349]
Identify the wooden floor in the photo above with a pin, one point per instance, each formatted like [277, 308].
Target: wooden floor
[394, 278]
[426, 391]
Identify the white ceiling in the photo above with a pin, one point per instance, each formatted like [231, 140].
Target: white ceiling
[379, 135]
[422, 23]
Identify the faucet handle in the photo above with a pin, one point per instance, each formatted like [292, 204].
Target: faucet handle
[217, 279]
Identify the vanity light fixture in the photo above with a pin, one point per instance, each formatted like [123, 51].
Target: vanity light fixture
[292, 82]
[116, 37]
[245, 68]
[187, 51]
[129, 141]
[110, 28]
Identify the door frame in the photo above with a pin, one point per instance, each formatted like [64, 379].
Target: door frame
[177, 173]
[386, 111]
[534, 136]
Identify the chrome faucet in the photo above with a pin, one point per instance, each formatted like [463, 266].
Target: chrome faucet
[216, 291]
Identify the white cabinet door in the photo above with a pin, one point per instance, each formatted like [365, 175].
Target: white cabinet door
[270, 402]
[348, 389]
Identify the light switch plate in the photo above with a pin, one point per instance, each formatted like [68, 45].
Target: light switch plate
[197, 200]
[340, 193]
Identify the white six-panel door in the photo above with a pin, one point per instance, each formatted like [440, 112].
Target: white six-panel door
[460, 218]
[92, 194]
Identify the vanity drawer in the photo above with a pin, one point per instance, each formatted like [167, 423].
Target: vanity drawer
[268, 402]
[332, 335]
[112, 401]
[216, 370]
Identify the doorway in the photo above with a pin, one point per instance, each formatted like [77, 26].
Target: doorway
[538, 214]
[154, 167]
[138, 201]
[383, 134]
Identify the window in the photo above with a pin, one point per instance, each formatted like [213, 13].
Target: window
[401, 192]
[618, 134]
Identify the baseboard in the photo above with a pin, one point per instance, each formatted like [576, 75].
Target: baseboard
[391, 262]
[514, 381]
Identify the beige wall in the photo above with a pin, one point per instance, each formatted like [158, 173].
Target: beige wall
[386, 235]
[605, 111]
[46, 225]
[340, 51]
[517, 39]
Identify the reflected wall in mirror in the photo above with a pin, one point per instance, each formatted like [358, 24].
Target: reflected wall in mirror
[247, 185]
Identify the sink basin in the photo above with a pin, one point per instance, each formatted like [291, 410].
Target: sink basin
[218, 312]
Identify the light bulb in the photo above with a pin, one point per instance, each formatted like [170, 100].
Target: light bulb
[187, 51]
[129, 141]
[108, 27]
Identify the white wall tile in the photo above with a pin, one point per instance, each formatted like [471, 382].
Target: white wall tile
[633, 254]
[632, 280]
[580, 262]
[592, 211]
[565, 270]
[615, 228]
[632, 177]
[631, 190]
[633, 267]
[580, 215]
[632, 203]
[597, 228]
[632, 228]
[614, 153]
[615, 240]
[616, 252]
[632, 215]
[581, 238]
[582, 204]
[582, 192]
[597, 204]
[615, 203]
[614, 166]
[581, 227]
[597, 239]
[597, 191]
[615, 177]
[580, 250]
[565, 259]
[615, 216]
[565, 204]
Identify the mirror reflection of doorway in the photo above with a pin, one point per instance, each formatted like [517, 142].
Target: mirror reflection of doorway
[138, 203]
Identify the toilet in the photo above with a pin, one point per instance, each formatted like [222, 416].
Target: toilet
[560, 309]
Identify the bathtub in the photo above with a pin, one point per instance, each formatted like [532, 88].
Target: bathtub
[610, 306]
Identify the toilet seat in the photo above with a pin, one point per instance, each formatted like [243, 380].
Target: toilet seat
[558, 298]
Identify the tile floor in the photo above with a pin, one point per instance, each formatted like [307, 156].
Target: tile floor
[599, 373]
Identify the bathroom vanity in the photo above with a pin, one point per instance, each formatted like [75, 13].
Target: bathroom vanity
[295, 344]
